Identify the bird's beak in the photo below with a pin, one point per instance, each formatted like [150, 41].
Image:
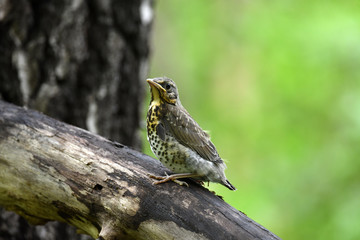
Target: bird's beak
[155, 85]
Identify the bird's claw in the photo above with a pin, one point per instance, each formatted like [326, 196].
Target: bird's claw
[180, 182]
[163, 179]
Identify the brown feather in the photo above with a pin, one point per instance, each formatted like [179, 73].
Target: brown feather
[188, 132]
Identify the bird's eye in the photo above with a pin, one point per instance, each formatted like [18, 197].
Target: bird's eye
[167, 86]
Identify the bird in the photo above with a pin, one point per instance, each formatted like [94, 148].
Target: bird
[178, 141]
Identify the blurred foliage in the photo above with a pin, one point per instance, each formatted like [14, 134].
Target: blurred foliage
[277, 83]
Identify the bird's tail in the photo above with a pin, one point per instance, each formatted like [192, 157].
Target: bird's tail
[227, 184]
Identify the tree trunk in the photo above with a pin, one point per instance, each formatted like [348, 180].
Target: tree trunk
[54, 171]
[82, 62]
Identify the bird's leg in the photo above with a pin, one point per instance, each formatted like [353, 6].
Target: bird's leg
[174, 178]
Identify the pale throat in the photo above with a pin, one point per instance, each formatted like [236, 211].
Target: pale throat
[156, 100]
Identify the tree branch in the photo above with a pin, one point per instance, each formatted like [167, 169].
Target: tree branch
[50, 170]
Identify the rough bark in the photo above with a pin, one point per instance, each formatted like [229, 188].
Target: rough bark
[53, 171]
[81, 62]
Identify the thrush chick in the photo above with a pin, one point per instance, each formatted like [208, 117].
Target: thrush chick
[178, 141]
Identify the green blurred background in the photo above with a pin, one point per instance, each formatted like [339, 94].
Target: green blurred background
[277, 83]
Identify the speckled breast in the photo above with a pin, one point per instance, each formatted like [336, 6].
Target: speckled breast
[168, 151]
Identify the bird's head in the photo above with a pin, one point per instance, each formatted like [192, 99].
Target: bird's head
[164, 88]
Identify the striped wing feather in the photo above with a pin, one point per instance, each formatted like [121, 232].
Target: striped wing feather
[188, 132]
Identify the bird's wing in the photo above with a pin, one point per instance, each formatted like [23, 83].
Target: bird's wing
[188, 132]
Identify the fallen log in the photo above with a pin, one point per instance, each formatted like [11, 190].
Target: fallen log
[52, 171]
